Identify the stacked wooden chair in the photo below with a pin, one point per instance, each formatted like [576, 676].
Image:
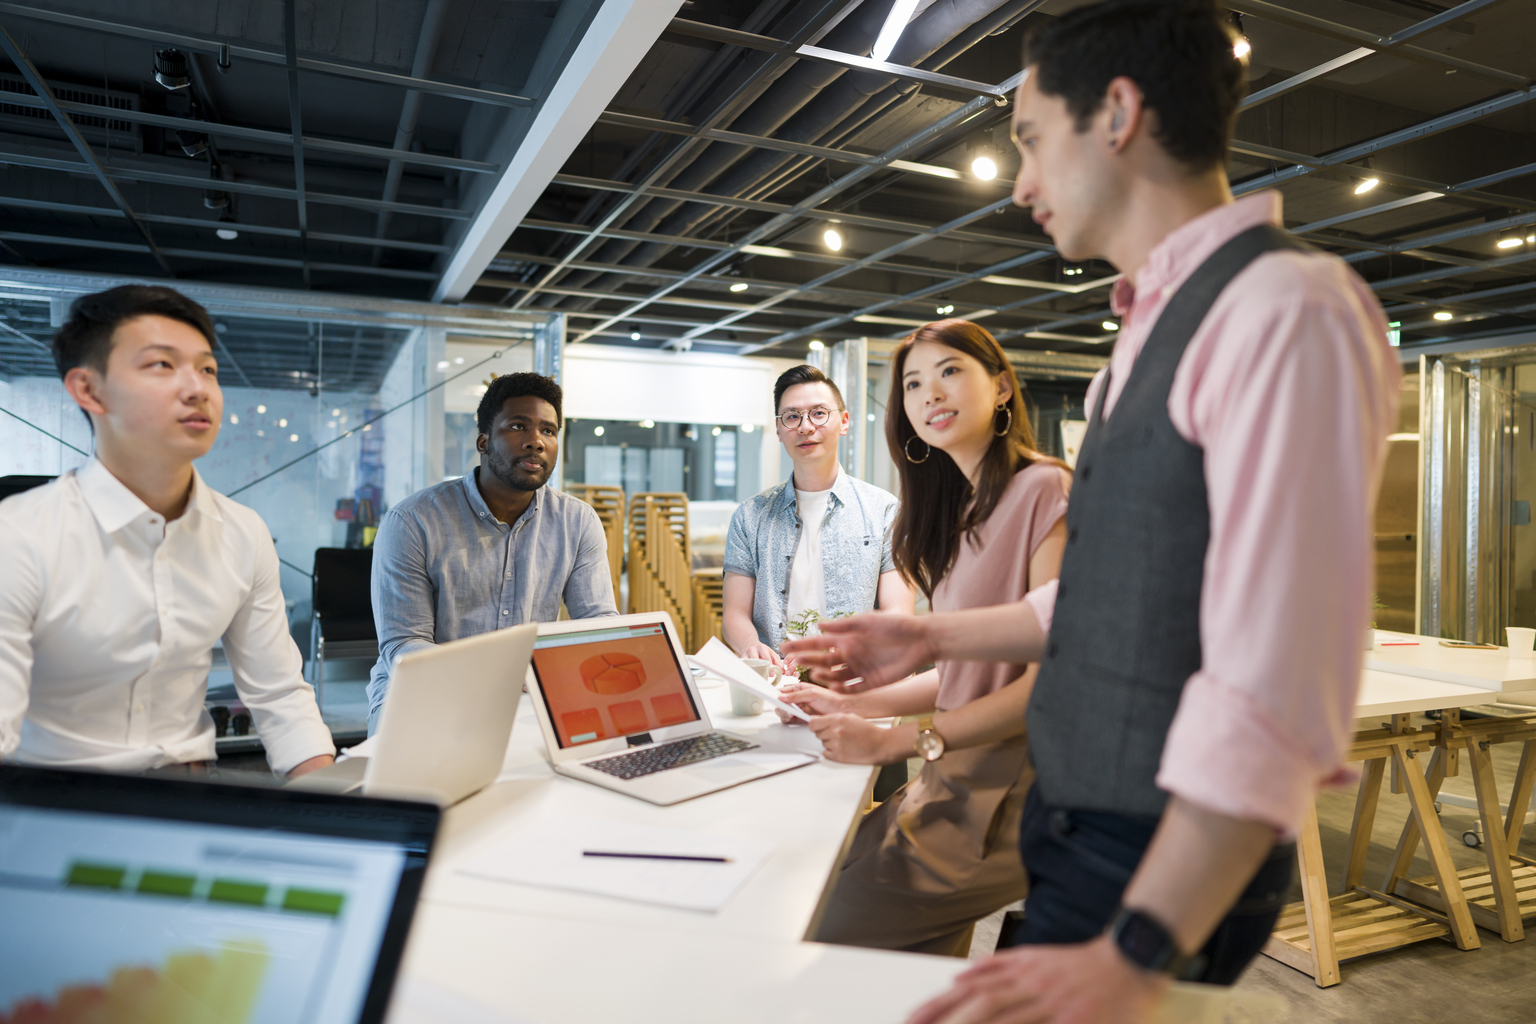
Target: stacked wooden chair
[660, 566]
[609, 505]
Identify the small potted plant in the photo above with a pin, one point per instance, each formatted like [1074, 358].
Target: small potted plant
[806, 624]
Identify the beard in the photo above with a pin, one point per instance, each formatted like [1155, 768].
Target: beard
[505, 469]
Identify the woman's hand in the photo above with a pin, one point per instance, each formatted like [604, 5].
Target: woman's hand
[761, 652]
[854, 740]
[865, 651]
[817, 700]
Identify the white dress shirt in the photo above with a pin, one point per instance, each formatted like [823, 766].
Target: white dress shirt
[108, 618]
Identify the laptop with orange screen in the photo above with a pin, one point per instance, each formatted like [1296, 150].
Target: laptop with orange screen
[619, 709]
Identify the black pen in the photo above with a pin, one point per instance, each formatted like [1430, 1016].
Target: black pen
[658, 856]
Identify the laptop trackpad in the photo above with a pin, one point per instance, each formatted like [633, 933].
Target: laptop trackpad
[341, 777]
[748, 764]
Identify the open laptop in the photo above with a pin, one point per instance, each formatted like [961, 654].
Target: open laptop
[191, 901]
[619, 709]
[443, 733]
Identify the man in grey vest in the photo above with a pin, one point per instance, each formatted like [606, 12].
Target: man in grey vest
[1201, 652]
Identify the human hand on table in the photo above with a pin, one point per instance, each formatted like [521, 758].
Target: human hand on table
[854, 740]
[1087, 983]
[865, 651]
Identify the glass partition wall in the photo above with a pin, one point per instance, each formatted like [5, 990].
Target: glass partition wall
[1477, 551]
[335, 407]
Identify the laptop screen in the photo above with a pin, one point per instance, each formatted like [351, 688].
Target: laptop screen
[169, 901]
[612, 681]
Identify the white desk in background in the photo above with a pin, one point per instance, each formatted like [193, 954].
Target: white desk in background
[1315, 935]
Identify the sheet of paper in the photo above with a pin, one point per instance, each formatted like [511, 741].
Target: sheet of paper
[417, 1001]
[549, 853]
[721, 660]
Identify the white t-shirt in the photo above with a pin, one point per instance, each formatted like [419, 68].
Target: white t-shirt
[807, 588]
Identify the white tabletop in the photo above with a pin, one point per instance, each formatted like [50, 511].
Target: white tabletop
[1422, 656]
[1392, 693]
[806, 815]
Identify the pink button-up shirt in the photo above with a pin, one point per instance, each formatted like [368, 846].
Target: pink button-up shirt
[1290, 388]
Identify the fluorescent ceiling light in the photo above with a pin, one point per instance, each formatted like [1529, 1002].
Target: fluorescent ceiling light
[869, 319]
[1510, 243]
[767, 250]
[1110, 325]
[1366, 185]
[1402, 437]
[228, 234]
[739, 286]
[933, 169]
[895, 25]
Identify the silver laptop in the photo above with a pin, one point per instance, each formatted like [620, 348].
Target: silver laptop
[444, 730]
[619, 709]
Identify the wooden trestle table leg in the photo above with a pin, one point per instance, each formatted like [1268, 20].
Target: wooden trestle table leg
[1408, 842]
[1423, 805]
[1495, 838]
[1520, 797]
[1314, 893]
[1364, 821]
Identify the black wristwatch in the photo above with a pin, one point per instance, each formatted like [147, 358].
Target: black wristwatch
[1147, 944]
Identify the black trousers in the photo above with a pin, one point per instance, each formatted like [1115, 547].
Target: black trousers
[1079, 863]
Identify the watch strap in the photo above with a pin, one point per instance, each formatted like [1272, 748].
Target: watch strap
[1144, 941]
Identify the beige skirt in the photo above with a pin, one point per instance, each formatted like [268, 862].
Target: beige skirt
[940, 854]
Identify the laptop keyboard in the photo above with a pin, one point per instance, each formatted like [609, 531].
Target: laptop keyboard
[659, 758]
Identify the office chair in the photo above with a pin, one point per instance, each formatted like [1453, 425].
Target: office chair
[342, 626]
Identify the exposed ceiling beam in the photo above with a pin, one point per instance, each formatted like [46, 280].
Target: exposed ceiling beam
[296, 120]
[30, 73]
[1322, 26]
[285, 139]
[767, 44]
[611, 46]
[212, 46]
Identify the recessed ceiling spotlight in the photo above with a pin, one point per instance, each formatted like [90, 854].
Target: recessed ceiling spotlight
[833, 239]
[597, 431]
[261, 408]
[715, 432]
[442, 364]
[739, 286]
[1366, 185]
[984, 167]
[228, 234]
[816, 345]
[1443, 315]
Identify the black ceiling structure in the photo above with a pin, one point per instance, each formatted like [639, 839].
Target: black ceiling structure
[749, 130]
[346, 144]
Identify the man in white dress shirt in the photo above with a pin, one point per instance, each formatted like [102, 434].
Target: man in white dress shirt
[119, 577]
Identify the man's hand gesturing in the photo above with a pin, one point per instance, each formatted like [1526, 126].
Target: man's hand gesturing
[865, 651]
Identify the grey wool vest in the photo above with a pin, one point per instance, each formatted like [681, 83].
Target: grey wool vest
[1125, 636]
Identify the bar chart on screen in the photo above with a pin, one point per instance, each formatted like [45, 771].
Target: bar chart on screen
[161, 923]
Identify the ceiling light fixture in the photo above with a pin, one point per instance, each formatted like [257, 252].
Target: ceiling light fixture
[1110, 325]
[715, 432]
[228, 234]
[1242, 48]
[833, 239]
[1443, 315]
[984, 167]
[1366, 185]
[746, 428]
[634, 335]
[171, 69]
[816, 345]
[597, 431]
[739, 286]
[945, 310]
[895, 24]
[1510, 241]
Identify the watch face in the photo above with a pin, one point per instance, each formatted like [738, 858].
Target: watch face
[929, 745]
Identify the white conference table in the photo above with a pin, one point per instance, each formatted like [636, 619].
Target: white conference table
[489, 952]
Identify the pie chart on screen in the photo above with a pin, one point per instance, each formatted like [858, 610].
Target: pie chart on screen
[612, 673]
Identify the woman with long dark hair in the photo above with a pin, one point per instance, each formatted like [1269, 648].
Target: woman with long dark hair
[980, 524]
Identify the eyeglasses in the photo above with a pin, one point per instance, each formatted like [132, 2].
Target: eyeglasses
[790, 418]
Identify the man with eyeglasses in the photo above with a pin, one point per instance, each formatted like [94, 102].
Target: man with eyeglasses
[817, 545]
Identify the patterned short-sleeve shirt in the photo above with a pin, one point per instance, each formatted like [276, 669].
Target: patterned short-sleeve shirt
[855, 549]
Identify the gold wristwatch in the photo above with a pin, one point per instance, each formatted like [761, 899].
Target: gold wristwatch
[930, 745]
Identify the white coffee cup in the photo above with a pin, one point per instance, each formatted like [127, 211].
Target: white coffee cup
[744, 702]
[1521, 641]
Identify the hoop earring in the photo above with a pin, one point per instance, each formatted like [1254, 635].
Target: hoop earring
[1008, 426]
[907, 448]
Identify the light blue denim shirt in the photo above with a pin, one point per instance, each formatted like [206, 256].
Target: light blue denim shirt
[445, 568]
[855, 549]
